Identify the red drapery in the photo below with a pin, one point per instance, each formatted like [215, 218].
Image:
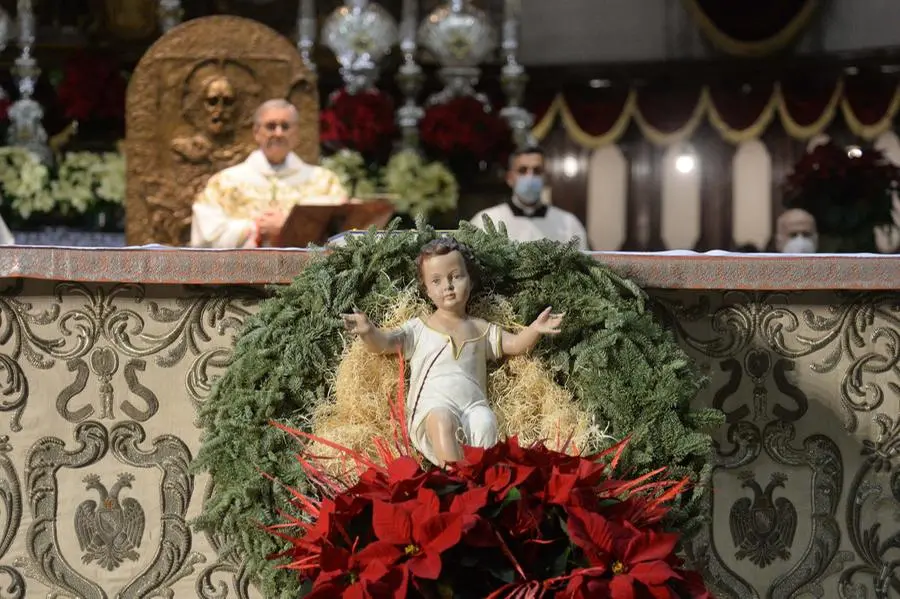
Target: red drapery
[751, 27]
[740, 110]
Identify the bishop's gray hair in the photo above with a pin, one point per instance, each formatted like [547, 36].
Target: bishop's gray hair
[275, 104]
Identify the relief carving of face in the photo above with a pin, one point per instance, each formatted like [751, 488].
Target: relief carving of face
[219, 103]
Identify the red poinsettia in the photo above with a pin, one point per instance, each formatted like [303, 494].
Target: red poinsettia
[509, 521]
[363, 122]
[465, 127]
[92, 87]
[847, 191]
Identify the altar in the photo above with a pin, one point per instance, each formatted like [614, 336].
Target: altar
[107, 353]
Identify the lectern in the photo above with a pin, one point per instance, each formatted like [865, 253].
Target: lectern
[315, 223]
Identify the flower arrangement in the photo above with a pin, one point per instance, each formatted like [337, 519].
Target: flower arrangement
[92, 86]
[363, 122]
[354, 172]
[414, 186]
[86, 179]
[848, 193]
[509, 521]
[465, 127]
[83, 182]
[420, 188]
[24, 181]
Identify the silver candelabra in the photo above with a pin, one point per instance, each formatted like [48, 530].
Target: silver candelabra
[25, 115]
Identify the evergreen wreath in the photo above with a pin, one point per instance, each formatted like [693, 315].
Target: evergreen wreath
[612, 354]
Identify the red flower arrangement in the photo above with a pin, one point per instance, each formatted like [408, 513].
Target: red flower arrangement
[847, 192]
[463, 127]
[363, 122]
[92, 87]
[509, 521]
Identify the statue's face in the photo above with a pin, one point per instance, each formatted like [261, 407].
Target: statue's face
[219, 105]
[447, 281]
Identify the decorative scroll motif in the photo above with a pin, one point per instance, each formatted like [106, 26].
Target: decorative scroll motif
[189, 111]
[763, 528]
[770, 350]
[861, 335]
[228, 565]
[823, 457]
[47, 564]
[110, 533]
[92, 337]
[174, 559]
[12, 584]
[868, 508]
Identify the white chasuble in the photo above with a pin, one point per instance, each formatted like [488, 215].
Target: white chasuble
[225, 211]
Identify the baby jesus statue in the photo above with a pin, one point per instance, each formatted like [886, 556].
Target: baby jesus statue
[448, 352]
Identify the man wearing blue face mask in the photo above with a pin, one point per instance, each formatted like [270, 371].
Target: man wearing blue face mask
[526, 216]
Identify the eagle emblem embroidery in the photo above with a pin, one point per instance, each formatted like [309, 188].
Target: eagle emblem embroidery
[109, 532]
[763, 528]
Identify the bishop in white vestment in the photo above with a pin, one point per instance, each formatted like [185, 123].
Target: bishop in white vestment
[245, 206]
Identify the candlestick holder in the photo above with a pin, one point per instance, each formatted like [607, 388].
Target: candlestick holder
[460, 37]
[360, 34]
[25, 115]
[170, 14]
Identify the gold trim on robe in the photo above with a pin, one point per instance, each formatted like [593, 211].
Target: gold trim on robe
[225, 211]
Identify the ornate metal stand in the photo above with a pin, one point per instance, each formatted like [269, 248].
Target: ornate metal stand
[170, 14]
[360, 34]
[307, 28]
[25, 115]
[410, 79]
[513, 78]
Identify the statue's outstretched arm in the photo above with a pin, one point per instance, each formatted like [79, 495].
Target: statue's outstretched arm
[377, 340]
[547, 323]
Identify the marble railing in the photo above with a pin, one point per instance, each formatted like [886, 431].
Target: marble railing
[105, 354]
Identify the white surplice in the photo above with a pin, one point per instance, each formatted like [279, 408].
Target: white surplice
[225, 211]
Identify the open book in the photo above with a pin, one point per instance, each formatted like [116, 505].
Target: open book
[315, 223]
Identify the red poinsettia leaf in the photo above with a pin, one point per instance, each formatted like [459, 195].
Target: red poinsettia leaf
[334, 559]
[377, 556]
[471, 501]
[653, 573]
[661, 592]
[693, 585]
[391, 523]
[426, 565]
[622, 587]
[591, 532]
[560, 486]
[329, 590]
[480, 533]
[650, 547]
[402, 469]
[440, 533]
[425, 506]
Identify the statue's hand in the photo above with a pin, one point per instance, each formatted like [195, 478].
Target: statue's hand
[548, 323]
[357, 323]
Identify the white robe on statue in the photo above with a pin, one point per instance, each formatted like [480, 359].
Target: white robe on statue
[446, 377]
[225, 211]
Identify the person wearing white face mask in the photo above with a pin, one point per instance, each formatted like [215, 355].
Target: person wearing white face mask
[796, 233]
[526, 216]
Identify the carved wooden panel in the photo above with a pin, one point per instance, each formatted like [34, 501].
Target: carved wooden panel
[189, 112]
